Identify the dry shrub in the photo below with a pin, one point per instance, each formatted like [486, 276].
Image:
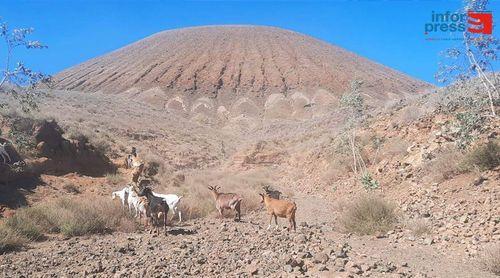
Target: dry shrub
[156, 167]
[10, 240]
[197, 200]
[71, 188]
[445, 165]
[115, 178]
[29, 223]
[98, 139]
[419, 227]
[368, 215]
[490, 260]
[482, 157]
[70, 217]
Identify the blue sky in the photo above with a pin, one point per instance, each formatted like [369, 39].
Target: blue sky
[388, 32]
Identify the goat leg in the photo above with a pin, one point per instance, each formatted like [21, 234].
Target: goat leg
[270, 221]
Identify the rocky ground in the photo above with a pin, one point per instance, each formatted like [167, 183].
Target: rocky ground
[222, 248]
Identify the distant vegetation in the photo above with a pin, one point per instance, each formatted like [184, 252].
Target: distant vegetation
[474, 57]
[19, 81]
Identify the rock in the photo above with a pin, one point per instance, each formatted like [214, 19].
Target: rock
[428, 241]
[295, 262]
[353, 268]
[322, 267]
[340, 263]
[253, 269]
[478, 181]
[288, 268]
[320, 258]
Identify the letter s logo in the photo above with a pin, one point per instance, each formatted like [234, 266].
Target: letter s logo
[482, 22]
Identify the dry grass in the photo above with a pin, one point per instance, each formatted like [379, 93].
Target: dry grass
[445, 165]
[115, 179]
[10, 240]
[490, 260]
[419, 227]
[483, 157]
[197, 200]
[70, 217]
[99, 140]
[368, 215]
[71, 188]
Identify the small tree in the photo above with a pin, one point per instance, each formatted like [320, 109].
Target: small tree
[353, 104]
[20, 81]
[473, 58]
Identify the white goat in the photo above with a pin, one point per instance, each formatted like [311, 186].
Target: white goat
[172, 201]
[122, 194]
[3, 152]
[133, 202]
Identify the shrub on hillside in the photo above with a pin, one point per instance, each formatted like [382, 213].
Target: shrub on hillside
[368, 215]
[483, 157]
[468, 123]
[71, 188]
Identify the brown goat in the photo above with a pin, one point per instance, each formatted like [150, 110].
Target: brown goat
[226, 201]
[279, 208]
[158, 208]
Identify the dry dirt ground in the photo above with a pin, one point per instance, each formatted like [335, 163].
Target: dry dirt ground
[214, 247]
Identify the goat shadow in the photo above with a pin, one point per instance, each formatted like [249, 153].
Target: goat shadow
[181, 231]
[13, 195]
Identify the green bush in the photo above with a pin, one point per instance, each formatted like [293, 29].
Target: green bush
[369, 182]
[468, 123]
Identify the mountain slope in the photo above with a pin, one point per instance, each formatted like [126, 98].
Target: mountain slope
[226, 61]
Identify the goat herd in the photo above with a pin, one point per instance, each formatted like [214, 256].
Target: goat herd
[154, 207]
